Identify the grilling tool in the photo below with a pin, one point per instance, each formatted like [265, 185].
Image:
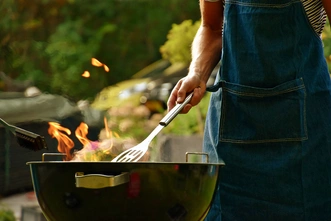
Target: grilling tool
[135, 153]
[26, 138]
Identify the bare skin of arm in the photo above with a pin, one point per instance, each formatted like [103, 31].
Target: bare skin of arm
[206, 53]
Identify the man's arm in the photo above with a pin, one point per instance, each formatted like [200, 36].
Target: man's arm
[206, 53]
[207, 44]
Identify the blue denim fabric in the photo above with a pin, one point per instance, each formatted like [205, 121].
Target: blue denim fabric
[271, 119]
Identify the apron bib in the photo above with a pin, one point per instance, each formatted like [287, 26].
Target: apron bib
[270, 121]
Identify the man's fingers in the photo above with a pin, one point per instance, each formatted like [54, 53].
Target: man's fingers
[186, 109]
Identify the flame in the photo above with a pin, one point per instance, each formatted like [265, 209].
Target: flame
[106, 68]
[97, 63]
[92, 150]
[86, 74]
[81, 132]
[109, 135]
[106, 126]
[65, 144]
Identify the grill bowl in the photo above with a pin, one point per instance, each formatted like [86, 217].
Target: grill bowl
[143, 191]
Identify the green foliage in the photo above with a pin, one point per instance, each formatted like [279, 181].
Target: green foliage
[180, 37]
[326, 36]
[70, 50]
[52, 41]
[6, 215]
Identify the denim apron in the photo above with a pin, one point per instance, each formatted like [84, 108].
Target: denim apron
[270, 117]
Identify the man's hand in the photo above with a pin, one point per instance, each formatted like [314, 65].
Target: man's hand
[206, 53]
[185, 86]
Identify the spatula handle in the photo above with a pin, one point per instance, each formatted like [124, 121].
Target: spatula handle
[175, 111]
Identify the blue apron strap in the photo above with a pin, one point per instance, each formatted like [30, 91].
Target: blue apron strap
[215, 87]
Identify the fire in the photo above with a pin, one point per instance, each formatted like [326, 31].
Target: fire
[92, 150]
[97, 63]
[65, 144]
[86, 74]
[81, 133]
[106, 68]
[106, 148]
[109, 135]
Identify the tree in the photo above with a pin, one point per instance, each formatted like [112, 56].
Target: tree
[178, 46]
[52, 41]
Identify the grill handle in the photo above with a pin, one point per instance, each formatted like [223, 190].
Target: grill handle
[98, 181]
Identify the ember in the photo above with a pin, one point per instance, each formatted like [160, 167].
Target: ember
[86, 74]
[97, 63]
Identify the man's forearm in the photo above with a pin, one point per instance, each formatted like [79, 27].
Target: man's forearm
[206, 52]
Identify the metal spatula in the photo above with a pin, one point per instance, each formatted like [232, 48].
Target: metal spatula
[135, 153]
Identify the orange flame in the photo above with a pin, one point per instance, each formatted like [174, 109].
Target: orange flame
[109, 134]
[65, 144]
[106, 68]
[97, 63]
[86, 74]
[81, 132]
[106, 126]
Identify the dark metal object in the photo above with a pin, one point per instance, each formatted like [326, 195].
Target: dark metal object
[146, 191]
[26, 138]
